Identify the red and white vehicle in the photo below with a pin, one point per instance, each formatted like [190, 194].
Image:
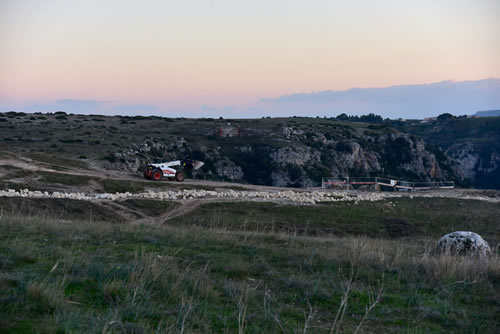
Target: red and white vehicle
[171, 169]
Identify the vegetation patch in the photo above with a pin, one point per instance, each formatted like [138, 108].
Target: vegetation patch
[66, 179]
[89, 276]
[395, 218]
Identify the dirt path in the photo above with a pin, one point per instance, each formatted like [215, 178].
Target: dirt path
[181, 210]
[95, 171]
[220, 187]
[125, 212]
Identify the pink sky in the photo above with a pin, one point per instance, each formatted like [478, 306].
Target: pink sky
[183, 55]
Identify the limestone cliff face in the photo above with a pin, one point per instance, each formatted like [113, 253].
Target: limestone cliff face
[292, 157]
[140, 154]
[479, 168]
[467, 158]
[472, 142]
[229, 170]
[306, 158]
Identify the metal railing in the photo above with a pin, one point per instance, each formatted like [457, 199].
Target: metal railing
[382, 183]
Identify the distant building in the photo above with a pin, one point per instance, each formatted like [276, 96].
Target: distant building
[428, 119]
[229, 131]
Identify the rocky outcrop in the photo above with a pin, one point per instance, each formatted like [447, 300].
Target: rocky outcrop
[228, 169]
[292, 157]
[473, 143]
[464, 243]
[467, 158]
[480, 167]
[140, 154]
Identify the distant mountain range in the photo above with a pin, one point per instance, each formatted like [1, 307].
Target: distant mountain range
[488, 113]
[416, 101]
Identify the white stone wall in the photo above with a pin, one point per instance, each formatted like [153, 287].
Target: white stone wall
[290, 196]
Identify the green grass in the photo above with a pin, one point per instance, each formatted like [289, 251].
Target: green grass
[399, 217]
[121, 186]
[151, 207]
[66, 179]
[103, 276]
[58, 208]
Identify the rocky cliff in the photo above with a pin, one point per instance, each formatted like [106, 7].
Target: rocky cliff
[474, 143]
[272, 151]
[300, 154]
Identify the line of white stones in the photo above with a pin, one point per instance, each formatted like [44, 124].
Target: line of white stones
[299, 197]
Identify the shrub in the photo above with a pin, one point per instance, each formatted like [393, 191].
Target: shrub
[109, 157]
[15, 114]
[344, 147]
[445, 116]
[294, 171]
[141, 118]
[70, 141]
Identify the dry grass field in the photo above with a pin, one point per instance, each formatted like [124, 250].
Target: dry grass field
[75, 267]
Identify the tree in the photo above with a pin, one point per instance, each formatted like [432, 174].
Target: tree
[343, 117]
[445, 116]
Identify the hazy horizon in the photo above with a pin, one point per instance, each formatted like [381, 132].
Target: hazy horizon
[401, 101]
[231, 59]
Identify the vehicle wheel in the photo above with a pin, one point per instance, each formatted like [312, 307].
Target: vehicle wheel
[180, 176]
[157, 174]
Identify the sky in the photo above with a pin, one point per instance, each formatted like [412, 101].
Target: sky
[237, 58]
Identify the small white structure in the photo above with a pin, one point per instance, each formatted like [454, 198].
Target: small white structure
[464, 243]
[229, 131]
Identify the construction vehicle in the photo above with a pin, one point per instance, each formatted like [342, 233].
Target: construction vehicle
[173, 170]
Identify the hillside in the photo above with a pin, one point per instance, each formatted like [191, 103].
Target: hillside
[277, 152]
[474, 143]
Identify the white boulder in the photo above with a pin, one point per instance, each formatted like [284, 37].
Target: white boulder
[464, 243]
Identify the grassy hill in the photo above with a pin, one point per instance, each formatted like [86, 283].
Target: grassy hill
[278, 151]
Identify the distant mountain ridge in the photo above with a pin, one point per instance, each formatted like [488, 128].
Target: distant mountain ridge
[414, 101]
[488, 113]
